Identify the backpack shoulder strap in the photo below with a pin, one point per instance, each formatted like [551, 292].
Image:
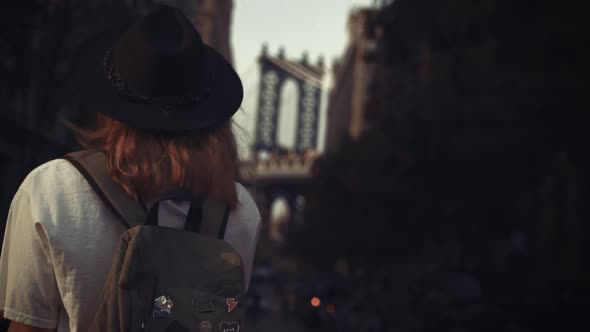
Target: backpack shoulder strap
[92, 165]
[214, 220]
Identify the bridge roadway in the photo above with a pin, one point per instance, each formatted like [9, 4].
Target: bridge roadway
[284, 171]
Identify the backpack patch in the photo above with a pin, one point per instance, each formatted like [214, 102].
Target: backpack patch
[229, 327]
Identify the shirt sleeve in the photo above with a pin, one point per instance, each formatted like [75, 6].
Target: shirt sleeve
[243, 230]
[28, 288]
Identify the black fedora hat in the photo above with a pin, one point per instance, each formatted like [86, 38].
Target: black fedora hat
[157, 74]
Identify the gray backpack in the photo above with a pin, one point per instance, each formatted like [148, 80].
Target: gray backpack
[165, 279]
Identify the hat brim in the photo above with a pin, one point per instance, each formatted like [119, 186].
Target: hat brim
[98, 94]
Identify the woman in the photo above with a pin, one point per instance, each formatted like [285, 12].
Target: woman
[165, 101]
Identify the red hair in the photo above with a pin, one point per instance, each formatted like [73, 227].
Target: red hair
[204, 160]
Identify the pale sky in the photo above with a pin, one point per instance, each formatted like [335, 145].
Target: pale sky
[315, 26]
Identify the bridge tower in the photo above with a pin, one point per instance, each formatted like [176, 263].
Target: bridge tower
[282, 172]
[275, 72]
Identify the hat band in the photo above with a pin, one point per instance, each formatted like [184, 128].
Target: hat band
[120, 84]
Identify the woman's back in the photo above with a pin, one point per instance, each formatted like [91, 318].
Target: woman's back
[76, 236]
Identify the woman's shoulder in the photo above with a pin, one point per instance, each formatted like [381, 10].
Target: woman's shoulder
[247, 208]
[56, 176]
[244, 196]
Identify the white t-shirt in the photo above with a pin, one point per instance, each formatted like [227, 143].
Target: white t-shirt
[60, 240]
